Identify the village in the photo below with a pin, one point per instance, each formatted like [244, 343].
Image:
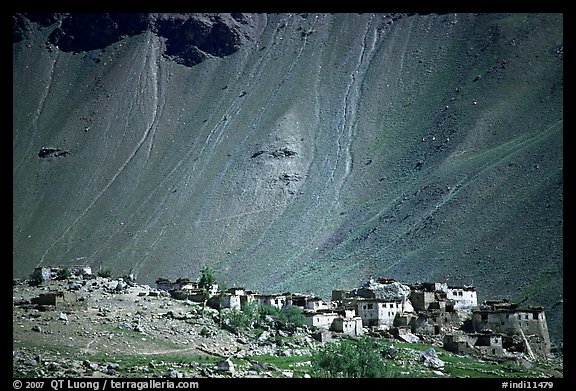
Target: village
[448, 315]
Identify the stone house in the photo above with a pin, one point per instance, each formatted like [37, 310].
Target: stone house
[235, 298]
[340, 295]
[436, 295]
[490, 344]
[232, 301]
[239, 291]
[193, 294]
[321, 319]
[316, 304]
[278, 301]
[464, 297]
[296, 299]
[55, 298]
[457, 343]
[507, 318]
[164, 284]
[52, 272]
[428, 293]
[350, 326]
[185, 289]
[377, 313]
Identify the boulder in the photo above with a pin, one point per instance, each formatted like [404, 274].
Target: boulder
[226, 365]
[90, 365]
[431, 359]
[264, 336]
[384, 289]
[173, 374]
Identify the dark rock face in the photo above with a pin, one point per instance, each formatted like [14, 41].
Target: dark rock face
[190, 38]
[19, 27]
[84, 32]
[48, 152]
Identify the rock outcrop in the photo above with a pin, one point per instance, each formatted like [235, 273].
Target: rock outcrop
[190, 38]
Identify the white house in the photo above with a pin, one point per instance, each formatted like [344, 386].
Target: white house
[378, 313]
[350, 326]
[321, 320]
[315, 304]
[278, 301]
[463, 297]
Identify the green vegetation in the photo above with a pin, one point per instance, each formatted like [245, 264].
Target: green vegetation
[351, 358]
[207, 278]
[63, 274]
[369, 357]
[254, 314]
[36, 277]
[104, 272]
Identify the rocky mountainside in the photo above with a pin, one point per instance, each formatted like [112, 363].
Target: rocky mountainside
[294, 151]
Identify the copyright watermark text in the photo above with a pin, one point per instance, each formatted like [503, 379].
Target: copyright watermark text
[103, 384]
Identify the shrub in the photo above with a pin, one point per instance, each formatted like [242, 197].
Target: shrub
[236, 319]
[106, 273]
[63, 274]
[290, 318]
[350, 358]
[207, 278]
[36, 277]
[205, 332]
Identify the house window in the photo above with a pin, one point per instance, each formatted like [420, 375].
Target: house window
[460, 293]
[370, 306]
[455, 293]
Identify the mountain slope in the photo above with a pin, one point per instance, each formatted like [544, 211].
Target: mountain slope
[312, 153]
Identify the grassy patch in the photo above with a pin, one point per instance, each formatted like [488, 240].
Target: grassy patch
[282, 362]
[150, 365]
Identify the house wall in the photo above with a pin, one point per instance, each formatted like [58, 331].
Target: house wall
[499, 322]
[490, 344]
[339, 295]
[55, 298]
[275, 301]
[349, 326]
[459, 344]
[232, 302]
[46, 273]
[316, 305]
[507, 322]
[421, 300]
[350, 313]
[321, 321]
[379, 314]
[463, 299]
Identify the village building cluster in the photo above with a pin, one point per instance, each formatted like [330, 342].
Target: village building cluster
[407, 312]
[383, 307]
